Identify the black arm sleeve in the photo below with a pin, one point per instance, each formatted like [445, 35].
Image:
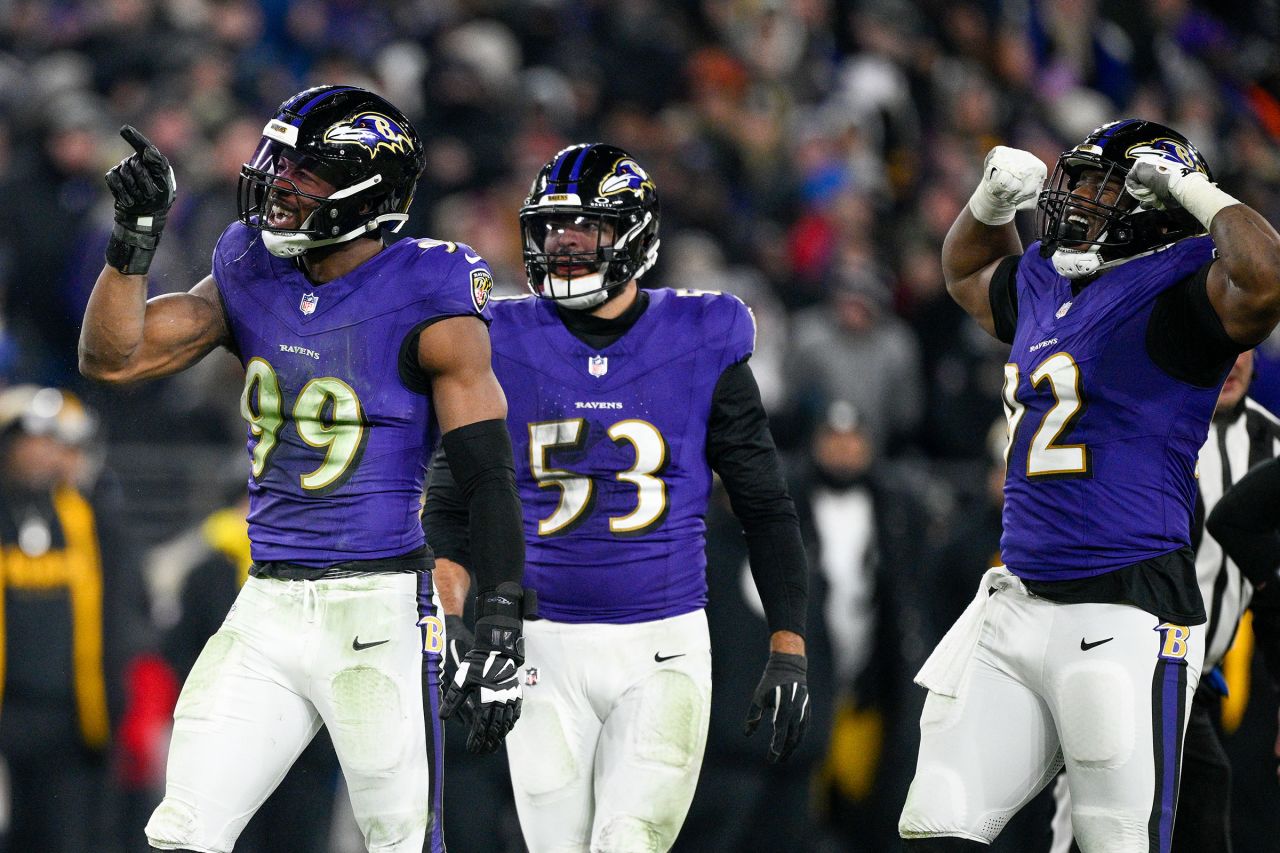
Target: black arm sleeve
[740, 449]
[1003, 294]
[482, 465]
[1245, 521]
[445, 515]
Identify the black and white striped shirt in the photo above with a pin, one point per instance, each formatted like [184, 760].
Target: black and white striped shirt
[1237, 441]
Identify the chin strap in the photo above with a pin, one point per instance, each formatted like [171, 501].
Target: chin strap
[1073, 265]
[291, 245]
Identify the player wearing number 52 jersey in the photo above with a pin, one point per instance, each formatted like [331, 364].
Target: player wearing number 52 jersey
[1086, 646]
[358, 353]
[622, 402]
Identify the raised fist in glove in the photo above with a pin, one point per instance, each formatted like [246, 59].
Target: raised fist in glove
[144, 187]
[1011, 181]
[487, 677]
[784, 693]
[1153, 180]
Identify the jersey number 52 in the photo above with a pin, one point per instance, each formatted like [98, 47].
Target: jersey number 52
[577, 493]
[1047, 457]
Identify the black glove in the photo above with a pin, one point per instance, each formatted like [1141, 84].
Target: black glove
[144, 188]
[458, 641]
[782, 688]
[488, 674]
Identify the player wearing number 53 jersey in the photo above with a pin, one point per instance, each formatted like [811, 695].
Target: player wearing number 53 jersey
[622, 402]
[358, 353]
[1085, 647]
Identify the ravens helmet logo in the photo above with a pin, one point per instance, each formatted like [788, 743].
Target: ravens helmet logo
[370, 130]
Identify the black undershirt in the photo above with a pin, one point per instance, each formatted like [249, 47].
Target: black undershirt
[740, 449]
[1186, 340]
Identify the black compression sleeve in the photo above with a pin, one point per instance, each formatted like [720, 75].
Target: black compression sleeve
[1003, 294]
[480, 459]
[1245, 522]
[445, 515]
[740, 449]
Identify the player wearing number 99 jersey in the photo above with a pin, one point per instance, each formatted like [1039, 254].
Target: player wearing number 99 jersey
[621, 404]
[1085, 647]
[358, 353]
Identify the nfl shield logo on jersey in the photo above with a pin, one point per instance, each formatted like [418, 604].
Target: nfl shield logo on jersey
[308, 304]
[598, 365]
[531, 676]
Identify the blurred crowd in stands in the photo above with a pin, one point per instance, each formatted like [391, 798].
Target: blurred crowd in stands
[809, 155]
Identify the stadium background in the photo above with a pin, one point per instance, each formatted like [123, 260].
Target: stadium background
[809, 155]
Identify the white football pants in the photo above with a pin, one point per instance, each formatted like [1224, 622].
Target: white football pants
[1104, 687]
[293, 655]
[606, 755]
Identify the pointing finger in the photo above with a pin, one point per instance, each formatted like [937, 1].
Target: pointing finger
[134, 137]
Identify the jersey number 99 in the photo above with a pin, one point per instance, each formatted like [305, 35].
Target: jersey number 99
[326, 414]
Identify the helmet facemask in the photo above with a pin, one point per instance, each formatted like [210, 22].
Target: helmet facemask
[335, 163]
[1088, 222]
[1086, 217]
[576, 257]
[266, 191]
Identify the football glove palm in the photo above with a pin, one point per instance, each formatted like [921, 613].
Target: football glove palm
[784, 691]
[144, 188]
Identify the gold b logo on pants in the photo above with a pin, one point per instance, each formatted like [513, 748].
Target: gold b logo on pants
[1174, 643]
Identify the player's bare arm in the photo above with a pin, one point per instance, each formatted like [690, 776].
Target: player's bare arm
[1243, 285]
[452, 583]
[455, 354]
[126, 337]
[984, 234]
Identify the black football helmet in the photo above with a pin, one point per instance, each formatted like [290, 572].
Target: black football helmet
[348, 137]
[595, 190]
[1085, 234]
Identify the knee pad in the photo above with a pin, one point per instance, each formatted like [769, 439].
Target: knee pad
[936, 802]
[172, 823]
[367, 716]
[629, 835]
[199, 697]
[555, 767]
[1095, 714]
[670, 720]
[1109, 831]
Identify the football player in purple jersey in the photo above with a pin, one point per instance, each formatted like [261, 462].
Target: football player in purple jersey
[622, 403]
[358, 352]
[1085, 647]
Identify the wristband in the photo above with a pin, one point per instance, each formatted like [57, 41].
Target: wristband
[1200, 198]
[988, 210]
[131, 252]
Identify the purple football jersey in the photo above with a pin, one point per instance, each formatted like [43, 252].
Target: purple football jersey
[610, 449]
[1104, 443]
[338, 445]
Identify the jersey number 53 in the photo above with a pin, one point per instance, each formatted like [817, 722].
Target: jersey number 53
[577, 492]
